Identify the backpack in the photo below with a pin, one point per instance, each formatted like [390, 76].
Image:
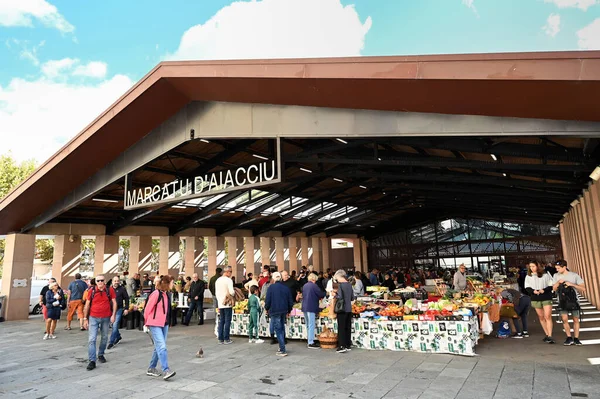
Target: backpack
[567, 298]
[504, 330]
[63, 300]
[159, 300]
[92, 292]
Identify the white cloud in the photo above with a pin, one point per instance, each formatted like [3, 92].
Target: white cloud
[38, 116]
[589, 37]
[469, 3]
[552, 26]
[73, 67]
[276, 29]
[581, 4]
[26, 52]
[23, 12]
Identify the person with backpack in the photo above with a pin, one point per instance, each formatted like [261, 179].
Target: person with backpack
[157, 314]
[55, 301]
[122, 298]
[100, 308]
[566, 285]
[538, 285]
[76, 289]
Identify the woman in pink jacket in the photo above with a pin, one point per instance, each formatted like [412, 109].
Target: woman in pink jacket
[157, 315]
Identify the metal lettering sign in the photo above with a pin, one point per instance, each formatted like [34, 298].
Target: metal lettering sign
[240, 178]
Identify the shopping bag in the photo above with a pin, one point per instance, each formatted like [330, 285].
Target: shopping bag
[486, 324]
[508, 310]
[494, 313]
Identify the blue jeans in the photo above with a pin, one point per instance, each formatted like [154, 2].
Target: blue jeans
[115, 328]
[159, 336]
[96, 323]
[522, 310]
[198, 306]
[278, 321]
[310, 321]
[224, 323]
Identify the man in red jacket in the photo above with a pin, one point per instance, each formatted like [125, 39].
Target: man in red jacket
[101, 308]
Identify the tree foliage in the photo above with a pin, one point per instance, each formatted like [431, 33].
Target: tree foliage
[13, 173]
[44, 249]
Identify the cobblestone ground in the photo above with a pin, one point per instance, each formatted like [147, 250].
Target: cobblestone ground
[33, 368]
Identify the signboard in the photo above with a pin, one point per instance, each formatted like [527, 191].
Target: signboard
[239, 178]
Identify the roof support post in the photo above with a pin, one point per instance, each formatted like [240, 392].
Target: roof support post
[106, 260]
[194, 255]
[140, 254]
[293, 252]
[169, 257]
[18, 266]
[280, 253]
[325, 248]
[304, 250]
[317, 254]
[67, 255]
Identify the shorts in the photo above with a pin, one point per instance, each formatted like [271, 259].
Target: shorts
[574, 313]
[54, 313]
[540, 304]
[75, 306]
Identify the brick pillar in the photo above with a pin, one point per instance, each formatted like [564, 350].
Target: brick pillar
[67, 256]
[194, 251]
[265, 250]
[106, 258]
[357, 254]
[293, 252]
[169, 256]
[18, 268]
[304, 251]
[140, 254]
[279, 253]
[365, 256]
[325, 249]
[316, 246]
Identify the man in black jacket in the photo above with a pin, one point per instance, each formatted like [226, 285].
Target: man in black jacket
[196, 300]
[122, 310]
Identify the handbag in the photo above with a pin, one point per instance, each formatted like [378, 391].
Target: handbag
[339, 303]
[508, 310]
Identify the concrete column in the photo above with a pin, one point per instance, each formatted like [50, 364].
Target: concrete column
[169, 256]
[365, 256]
[16, 280]
[563, 242]
[293, 250]
[235, 252]
[595, 227]
[265, 250]
[249, 255]
[212, 256]
[325, 250]
[317, 258]
[304, 251]
[357, 254]
[67, 256]
[140, 254]
[583, 243]
[106, 257]
[194, 250]
[279, 253]
[221, 258]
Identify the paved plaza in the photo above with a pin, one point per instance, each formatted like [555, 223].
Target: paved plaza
[528, 368]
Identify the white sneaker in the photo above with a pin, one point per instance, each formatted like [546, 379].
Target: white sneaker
[46, 336]
[259, 341]
[52, 336]
[250, 341]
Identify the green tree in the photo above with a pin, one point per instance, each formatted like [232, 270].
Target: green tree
[44, 249]
[2, 246]
[13, 173]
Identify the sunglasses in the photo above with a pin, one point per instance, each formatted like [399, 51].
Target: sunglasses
[99, 281]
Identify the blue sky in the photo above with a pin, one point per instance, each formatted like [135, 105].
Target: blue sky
[63, 54]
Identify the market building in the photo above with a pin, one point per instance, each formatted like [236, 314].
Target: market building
[272, 159]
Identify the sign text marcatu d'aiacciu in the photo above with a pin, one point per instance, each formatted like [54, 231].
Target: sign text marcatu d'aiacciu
[213, 183]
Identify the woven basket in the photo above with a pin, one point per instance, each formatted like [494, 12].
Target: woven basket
[328, 342]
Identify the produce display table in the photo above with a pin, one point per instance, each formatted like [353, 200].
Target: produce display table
[453, 337]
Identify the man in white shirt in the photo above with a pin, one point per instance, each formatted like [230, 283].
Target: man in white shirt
[223, 288]
[460, 278]
[574, 280]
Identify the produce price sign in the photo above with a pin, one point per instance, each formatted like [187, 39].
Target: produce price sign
[454, 337]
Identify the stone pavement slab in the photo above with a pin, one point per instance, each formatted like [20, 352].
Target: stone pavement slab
[33, 368]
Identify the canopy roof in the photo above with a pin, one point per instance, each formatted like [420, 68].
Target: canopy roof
[560, 86]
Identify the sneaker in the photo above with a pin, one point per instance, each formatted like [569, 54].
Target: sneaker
[282, 354]
[168, 374]
[46, 336]
[251, 341]
[52, 336]
[91, 365]
[152, 372]
[577, 341]
[117, 341]
[517, 336]
[546, 338]
[313, 346]
[550, 340]
[568, 341]
[526, 334]
[259, 341]
[341, 349]
[110, 346]
[228, 342]
[220, 342]
[101, 359]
